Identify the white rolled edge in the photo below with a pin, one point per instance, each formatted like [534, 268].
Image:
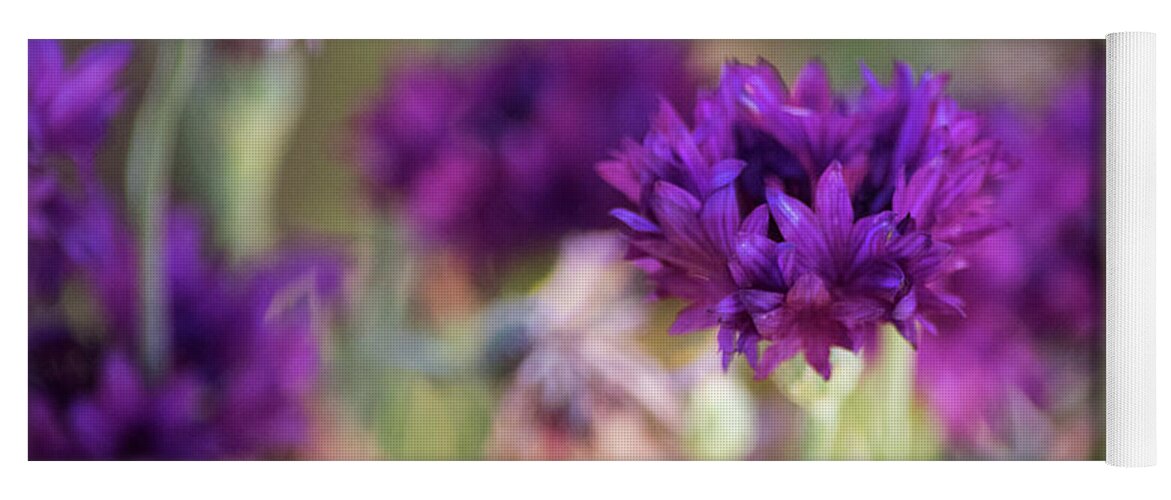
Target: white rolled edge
[1130, 254]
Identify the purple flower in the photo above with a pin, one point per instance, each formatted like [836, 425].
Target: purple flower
[974, 376]
[1056, 209]
[848, 275]
[243, 364]
[69, 108]
[69, 105]
[494, 157]
[1034, 292]
[875, 205]
[244, 355]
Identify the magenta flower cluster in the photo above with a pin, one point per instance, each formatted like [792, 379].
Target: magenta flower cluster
[797, 221]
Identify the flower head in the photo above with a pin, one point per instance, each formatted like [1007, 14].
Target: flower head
[244, 362]
[583, 381]
[871, 202]
[69, 109]
[495, 157]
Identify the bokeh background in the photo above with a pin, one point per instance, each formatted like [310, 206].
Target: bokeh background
[558, 354]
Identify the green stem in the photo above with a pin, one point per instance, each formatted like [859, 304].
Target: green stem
[396, 265]
[387, 336]
[261, 112]
[148, 176]
[823, 429]
[896, 377]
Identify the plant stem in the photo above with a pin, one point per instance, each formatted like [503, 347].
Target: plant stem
[823, 429]
[259, 115]
[896, 377]
[148, 176]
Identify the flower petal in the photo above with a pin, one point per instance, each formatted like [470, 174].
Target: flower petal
[760, 301]
[677, 212]
[693, 318]
[817, 353]
[721, 219]
[832, 203]
[881, 279]
[726, 340]
[756, 262]
[94, 75]
[776, 353]
[808, 291]
[905, 307]
[724, 172]
[635, 221]
[756, 222]
[795, 220]
[46, 67]
[620, 174]
[812, 89]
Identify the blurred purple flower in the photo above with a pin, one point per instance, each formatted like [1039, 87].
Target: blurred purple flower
[973, 376]
[875, 204]
[69, 108]
[69, 105]
[244, 362]
[1057, 209]
[1035, 292]
[494, 157]
[244, 357]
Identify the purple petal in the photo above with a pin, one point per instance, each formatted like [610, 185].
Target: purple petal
[872, 82]
[721, 219]
[46, 68]
[756, 261]
[693, 318]
[787, 262]
[832, 203]
[795, 220]
[776, 353]
[760, 301]
[903, 78]
[881, 279]
[857, 312]
[677, 212]
[676, 197]
[950, 303]
[758, 89]
[730, 305]
[670, 128]
[905, 307]
[817, 353]
[635, 221]
[619, 174]
[726, 338]
[94, 75]
[808, 291]
[724, 172]
[756, 222]
[914, 197]
[812, 89]
[747, 345]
